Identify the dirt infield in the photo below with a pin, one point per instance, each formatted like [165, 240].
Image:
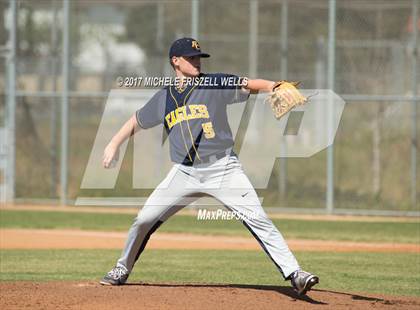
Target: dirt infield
[77, 239]
[89, 295]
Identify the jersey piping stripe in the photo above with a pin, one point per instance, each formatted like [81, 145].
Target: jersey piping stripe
[182, 130]
[188, 125]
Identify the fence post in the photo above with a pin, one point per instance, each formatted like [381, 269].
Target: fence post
[414, 106]
[65, 104]
[282, 178]
[331, 79]
[11, 106]
[253, 38]
[195, 5]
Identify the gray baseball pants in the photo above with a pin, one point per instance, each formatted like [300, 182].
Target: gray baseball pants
[225, 180]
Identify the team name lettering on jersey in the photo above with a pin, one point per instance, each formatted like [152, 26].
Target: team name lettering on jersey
[191, 111]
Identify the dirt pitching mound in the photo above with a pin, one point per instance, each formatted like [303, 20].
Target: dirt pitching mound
[90, 295]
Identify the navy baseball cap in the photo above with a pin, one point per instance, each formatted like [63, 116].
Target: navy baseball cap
[186, 47]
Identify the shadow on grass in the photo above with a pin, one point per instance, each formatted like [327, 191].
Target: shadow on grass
[284, 290]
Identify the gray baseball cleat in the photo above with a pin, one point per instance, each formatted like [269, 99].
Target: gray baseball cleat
[117, 276]
[303, 281]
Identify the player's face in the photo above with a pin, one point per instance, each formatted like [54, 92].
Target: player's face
[188, 66]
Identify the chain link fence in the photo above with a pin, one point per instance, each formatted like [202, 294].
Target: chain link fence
[266, 39]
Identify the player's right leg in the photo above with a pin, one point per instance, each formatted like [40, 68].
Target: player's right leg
[236, 192]
[170, 196]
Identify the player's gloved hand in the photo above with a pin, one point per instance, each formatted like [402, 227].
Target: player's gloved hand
[284, 97]
[111, 155]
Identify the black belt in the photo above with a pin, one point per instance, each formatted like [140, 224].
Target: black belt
[206, 159]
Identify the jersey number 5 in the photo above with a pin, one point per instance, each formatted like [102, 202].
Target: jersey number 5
[208, 130]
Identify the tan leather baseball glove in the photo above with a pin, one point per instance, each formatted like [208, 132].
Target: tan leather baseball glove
[284, 97]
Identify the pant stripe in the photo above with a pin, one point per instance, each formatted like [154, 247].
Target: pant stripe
[146, 239]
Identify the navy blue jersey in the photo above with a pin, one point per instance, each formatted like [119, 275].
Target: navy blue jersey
[195, 118]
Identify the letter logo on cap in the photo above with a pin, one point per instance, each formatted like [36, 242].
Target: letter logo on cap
[195, 45]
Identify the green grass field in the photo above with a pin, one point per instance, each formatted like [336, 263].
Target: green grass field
[301, 229]
[393, 274]
[385, 273]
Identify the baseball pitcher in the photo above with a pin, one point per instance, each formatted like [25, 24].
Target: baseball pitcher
[194, 115]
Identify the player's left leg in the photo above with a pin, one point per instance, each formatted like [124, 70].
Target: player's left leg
[236, 192]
